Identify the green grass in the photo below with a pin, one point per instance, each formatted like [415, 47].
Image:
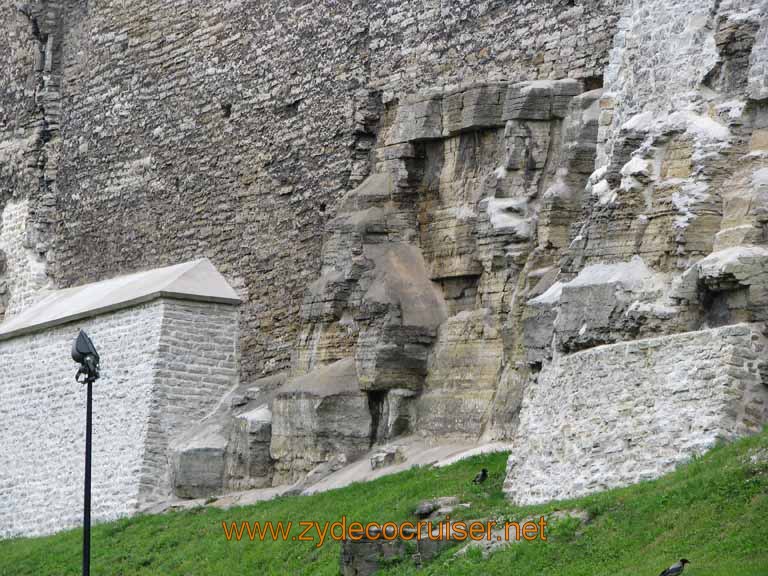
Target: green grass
[713, 511]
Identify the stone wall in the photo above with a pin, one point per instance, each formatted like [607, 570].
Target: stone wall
[30, 69]
[164, 364]
[231, 129]
[662, 51]
[405, 196]
[619, 414]
[416, 45]
[24, 270]
[197, 363]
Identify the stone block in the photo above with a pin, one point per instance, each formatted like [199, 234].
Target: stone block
[387, 456]
[528, 101]
[259, 428]
[316, 417]
[474, 108]
[198, 465]
[417, 121]
[366, 557]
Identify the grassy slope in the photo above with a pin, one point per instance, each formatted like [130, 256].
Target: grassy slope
[714, 511]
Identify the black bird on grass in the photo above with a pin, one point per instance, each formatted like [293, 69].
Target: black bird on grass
[481, 476]
[676, 568]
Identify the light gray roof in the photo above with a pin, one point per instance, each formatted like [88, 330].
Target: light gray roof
[197, 280]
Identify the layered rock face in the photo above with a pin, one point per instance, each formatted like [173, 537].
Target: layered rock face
[577, 269]
[587, 245]
[318, 418]
[229, 449]
[404, 330]
[423, 262]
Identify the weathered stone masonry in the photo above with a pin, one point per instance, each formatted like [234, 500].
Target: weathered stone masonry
[231, 129]
[165, 364]
[623, 413]
[443, 217]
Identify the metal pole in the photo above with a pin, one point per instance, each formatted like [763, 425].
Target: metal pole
[87, 490]
[84, 353]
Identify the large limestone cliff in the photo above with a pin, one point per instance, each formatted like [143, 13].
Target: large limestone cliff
[577, 269]
[538, 245]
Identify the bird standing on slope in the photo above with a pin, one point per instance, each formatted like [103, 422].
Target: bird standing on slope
[481, 476]
[676, 568]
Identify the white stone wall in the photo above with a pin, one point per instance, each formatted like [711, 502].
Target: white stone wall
[662, 52]
[197, 363]
[758, 71]
[619, 414]
[163, 364]
[25, 275]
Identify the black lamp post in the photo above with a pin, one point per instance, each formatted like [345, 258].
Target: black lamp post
[84, 353]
